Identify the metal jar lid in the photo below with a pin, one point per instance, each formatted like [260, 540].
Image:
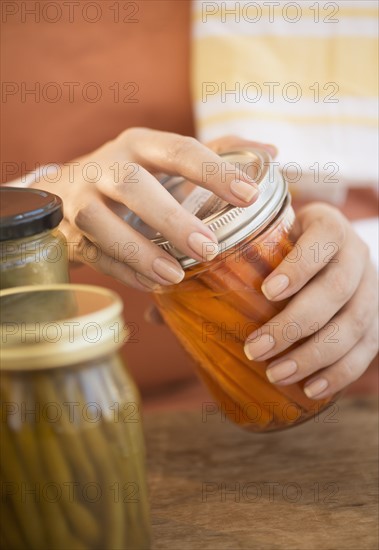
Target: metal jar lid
[230, 224]
[46, 326]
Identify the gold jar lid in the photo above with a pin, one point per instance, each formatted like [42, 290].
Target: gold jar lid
[230, 224]
[50, 326]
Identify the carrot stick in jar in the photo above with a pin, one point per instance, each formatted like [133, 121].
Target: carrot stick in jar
[227, 369]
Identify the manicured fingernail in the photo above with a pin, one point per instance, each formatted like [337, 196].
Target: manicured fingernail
[275, 286]
[316, 387]
[243, 190]
[169, 271]
[281, 371]
[203, 246]
[263, 344]
[147, 283]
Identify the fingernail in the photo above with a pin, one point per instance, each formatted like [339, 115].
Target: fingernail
[147, 283]
[168, 270]
[275, 286]
[203, 246]
[316, 387]
[254, 350]
[242, 190]
[281, 371]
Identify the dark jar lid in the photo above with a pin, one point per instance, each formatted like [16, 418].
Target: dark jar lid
[27, 212]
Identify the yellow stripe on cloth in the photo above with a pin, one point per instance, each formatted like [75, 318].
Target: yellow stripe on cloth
[300, 119]
[350, 62]
[322, 12]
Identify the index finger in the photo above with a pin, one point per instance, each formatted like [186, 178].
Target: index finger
[185, 156]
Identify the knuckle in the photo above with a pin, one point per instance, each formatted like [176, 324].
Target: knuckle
[127, 179]
[318, 355]
[293, 327]
[84, 216]
[108, 266]
[358, 324]
[310, 357]
[305, 269]
[132, 133]
[338, 282]
[348, 372]
[333, 226]
[129, 133]
[298, 265]
[172, 217]
[372, 342]
[179, 147]
[325, 218]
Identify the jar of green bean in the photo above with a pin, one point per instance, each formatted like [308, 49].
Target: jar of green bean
[72, 449]
[32, 249]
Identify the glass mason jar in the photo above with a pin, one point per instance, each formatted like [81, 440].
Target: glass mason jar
[220, 303]
[72, 449]
[32, 249]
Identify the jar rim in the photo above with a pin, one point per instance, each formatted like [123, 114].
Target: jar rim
[82, 332]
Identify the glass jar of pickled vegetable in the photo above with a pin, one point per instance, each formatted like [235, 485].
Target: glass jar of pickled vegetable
[220, 303]
[72, 450]
[32, 249]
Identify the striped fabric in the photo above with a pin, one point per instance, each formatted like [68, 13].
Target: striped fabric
[302, 75]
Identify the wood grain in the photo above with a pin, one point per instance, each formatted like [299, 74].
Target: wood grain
[311, 487]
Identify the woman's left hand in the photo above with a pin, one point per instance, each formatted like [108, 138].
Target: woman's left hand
[333, 309]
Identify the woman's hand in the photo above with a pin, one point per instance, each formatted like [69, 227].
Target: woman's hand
[333, 308]
[124, 172]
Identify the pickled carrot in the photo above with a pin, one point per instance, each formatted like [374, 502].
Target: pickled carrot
[211, 311]
[231, 386]
[248, 301]
[233, 368]
[233, 348]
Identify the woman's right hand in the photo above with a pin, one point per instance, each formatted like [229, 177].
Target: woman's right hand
[124, 171]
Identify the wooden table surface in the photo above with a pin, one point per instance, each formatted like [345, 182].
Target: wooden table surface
[214, 486]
